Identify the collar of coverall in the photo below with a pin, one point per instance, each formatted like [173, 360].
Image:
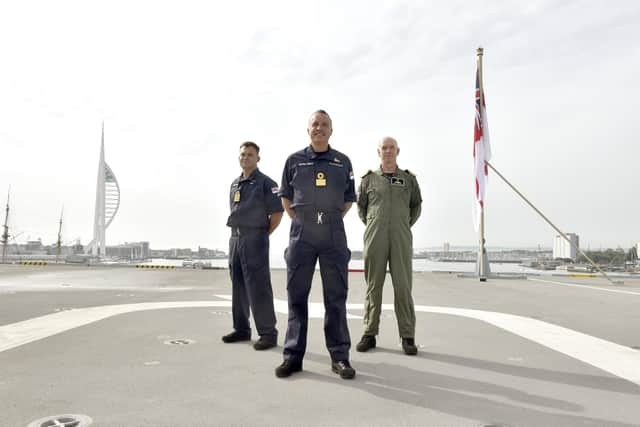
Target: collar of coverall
[313, 155]
[379, 171]
[250, 177]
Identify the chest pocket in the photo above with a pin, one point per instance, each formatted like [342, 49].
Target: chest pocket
[302, 176]
[401, 198]
[336, 185]
[401, 194]
[377, 194]
[374, 199]
[303, 182]
[250, 194]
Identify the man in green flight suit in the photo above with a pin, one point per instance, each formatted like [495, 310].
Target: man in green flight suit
[389, 203]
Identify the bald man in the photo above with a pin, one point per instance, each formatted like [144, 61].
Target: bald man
[389, 203]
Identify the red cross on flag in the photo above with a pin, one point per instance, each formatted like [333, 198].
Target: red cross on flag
[481, 153]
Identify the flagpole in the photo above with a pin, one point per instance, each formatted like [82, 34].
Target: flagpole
[552, 225]
[483, 261]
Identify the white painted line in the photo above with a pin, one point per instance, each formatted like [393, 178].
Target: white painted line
[575, 285]
[20, 333]
[388, 387]
[316, 309]
[616, 359]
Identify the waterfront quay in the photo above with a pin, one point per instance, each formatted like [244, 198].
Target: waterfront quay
[141, 347]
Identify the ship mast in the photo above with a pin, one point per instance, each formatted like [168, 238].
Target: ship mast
[5, 232]
[59, 244]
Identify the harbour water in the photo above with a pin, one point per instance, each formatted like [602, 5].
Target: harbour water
[419, 264]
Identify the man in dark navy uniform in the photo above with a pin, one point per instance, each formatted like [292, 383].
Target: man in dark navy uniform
[317, 190]
[255, 212]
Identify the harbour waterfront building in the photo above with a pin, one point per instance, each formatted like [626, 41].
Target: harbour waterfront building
[130, 251]
[563, 249]
[179, 253]
[205, 253]
[34, 246]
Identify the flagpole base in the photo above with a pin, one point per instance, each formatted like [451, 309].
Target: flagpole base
[483, 270]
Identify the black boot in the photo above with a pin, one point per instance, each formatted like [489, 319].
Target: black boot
[344, 369]
[236, 336]
[265, 343]
[287, 368]
[409, 346]
[366, 343]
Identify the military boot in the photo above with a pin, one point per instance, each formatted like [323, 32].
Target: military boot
[409, 346]
[236, 336]
[344, 369]
[265, 343]
[366, 343]
[287, 368]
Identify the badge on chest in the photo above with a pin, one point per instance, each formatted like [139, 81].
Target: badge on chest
[236, 196]
[397, 181]
[321, 179]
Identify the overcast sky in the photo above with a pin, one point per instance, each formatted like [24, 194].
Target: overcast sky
[180, 85]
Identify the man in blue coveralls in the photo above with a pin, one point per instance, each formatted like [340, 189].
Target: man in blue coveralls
[317, 190]
[255, 212]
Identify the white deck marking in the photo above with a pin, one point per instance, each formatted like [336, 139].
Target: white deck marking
[316, 309]
[576, 285]
[20, 333]
[616, 359]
